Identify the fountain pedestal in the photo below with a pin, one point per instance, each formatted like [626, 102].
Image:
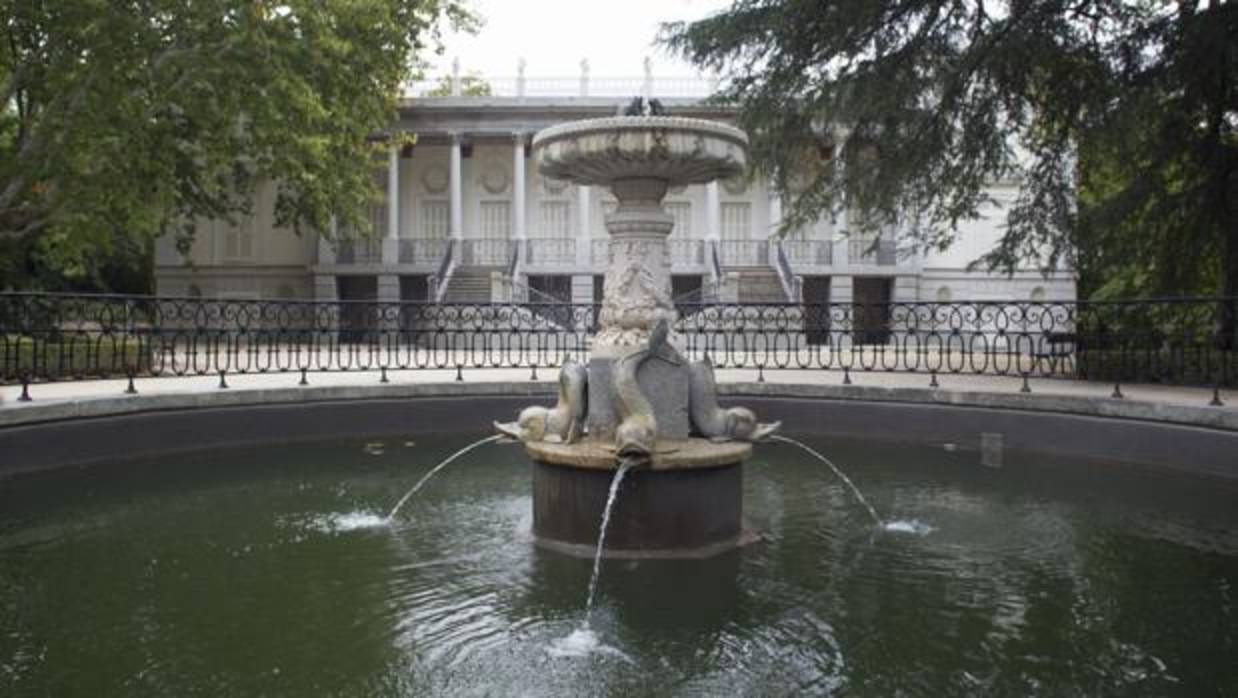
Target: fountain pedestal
[640, 398]
[687, 503]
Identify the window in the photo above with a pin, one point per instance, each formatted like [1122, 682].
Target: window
[681, 211]
[238, 239]
[496, 220]
[556, 219]
[435, 217]
[736, 221]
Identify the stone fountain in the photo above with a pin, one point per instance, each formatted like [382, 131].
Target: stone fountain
[639, 402]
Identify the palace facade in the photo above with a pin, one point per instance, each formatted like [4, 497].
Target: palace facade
[467, 218]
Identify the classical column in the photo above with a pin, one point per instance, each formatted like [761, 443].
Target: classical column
[456, 230]
[584, 241]
[391, 241]
[713, 212]
[713, 225]
[518, 193]
[775, 210]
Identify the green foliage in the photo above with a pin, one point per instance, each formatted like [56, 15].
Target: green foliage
[930, 102]
[123, 121]
[72, 355]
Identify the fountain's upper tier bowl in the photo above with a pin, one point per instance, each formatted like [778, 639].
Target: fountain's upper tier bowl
[677, 150]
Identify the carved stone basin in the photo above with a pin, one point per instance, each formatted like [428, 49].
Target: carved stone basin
[674, 149]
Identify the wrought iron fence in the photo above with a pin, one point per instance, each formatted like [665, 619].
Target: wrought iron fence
[53, 337]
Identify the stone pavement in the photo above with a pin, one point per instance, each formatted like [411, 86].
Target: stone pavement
[1140, 401]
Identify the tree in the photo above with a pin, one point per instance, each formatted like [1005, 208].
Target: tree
[926, 102]
[125, 121]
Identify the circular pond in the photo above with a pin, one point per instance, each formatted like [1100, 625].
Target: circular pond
[268, 572]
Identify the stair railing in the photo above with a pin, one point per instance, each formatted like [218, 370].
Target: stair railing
[792, 285]
[446, 267]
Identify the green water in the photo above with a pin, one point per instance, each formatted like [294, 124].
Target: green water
[227, 574]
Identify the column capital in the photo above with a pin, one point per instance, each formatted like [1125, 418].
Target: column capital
[455, 137]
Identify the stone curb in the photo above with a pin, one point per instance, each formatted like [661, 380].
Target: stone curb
[11, 415]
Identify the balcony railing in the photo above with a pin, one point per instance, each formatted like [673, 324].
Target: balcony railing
[440, 87]
[422, 251]
[744, 253]
[687, 252]
[818, 253]
[884, 253]
[599, 251]
[484, 252]
[547, 251]
[359, 252]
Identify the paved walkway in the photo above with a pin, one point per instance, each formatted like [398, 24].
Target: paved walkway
[74, 391]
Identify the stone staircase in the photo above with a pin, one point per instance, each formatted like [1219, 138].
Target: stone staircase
[760, 286]
[468, 286]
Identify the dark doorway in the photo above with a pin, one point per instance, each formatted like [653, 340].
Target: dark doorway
[687, 294]
[358, 311]
[686, 289]
[871, 309]
[817, 309]
[550, 289]
[551, 298]
[414, 292]
[599, 286]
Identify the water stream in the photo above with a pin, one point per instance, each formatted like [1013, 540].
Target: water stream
[583, 641]
[837, 471]
[425, 478]
[597, 556]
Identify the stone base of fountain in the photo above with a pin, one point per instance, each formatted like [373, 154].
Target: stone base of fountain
[688, 503]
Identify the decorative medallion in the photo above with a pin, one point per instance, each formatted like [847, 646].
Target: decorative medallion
[434, 179]
[495, 179]
[553, 186]
[735, 185]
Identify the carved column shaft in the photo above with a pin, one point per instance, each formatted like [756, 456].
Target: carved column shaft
[637, 290]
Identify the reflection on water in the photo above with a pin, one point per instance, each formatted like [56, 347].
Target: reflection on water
[269, 571]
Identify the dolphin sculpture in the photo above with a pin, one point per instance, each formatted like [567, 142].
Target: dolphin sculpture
[565, 421]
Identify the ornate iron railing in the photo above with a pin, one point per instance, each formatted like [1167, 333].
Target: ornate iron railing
[52, 337]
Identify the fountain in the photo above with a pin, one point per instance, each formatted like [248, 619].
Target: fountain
[639, 402]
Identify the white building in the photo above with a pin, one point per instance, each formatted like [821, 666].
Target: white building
[466, 214]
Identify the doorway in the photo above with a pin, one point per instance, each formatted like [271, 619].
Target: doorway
[871, 309]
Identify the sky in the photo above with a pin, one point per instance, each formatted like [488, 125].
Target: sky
[554, 35]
